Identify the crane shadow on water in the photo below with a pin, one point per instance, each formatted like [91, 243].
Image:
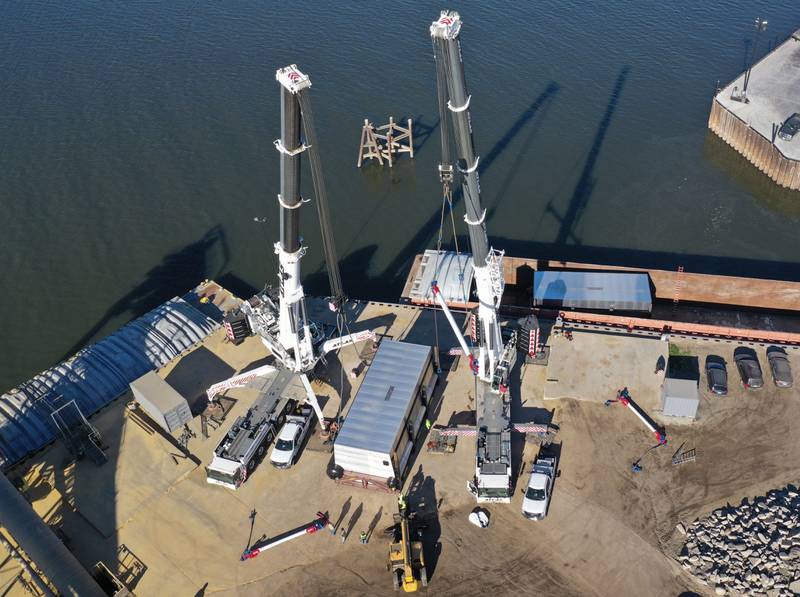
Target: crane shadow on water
[586, 181]
[178, 272]
[569, 247]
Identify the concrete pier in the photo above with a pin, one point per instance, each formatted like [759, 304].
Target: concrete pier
[751, 128]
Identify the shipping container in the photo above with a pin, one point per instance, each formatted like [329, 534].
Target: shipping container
[378, 435]
[679, 398]
[161, 401]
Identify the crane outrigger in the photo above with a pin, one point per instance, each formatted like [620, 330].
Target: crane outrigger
[494, 359]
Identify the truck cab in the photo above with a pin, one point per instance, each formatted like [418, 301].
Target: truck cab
[491, 488]
[540, 485]
[294, 431]
[225, 472]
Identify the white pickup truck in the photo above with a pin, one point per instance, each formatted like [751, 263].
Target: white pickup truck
[537, 494]
[291, 437]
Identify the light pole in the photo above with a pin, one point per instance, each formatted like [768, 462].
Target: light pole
[761, 25]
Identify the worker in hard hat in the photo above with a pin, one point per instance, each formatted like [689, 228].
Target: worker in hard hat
[401, 504]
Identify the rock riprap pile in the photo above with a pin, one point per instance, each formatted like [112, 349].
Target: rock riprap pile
[752, 549]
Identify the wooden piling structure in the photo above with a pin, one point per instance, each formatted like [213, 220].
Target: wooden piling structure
[369, 148]
[385, 142]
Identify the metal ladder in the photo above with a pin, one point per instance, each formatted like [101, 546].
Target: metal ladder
[684, 457]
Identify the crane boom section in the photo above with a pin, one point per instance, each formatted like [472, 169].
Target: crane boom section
[294, 334]
[447, 46]
[487, 263]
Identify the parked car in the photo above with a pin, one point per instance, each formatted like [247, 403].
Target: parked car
[716, 375]
[779, 364]
[790, 128]
[749, 368]
[286, 448]
[537, 494]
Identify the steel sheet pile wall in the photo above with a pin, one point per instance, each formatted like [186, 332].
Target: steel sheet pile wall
[96, 375]
[750, 127]
[755, 148]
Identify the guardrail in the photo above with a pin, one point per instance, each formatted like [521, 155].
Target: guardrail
[632, 324]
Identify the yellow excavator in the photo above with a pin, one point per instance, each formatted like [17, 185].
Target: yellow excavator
[406, 560]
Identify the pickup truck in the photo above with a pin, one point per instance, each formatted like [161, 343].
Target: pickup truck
[537, 494]
[294, 430]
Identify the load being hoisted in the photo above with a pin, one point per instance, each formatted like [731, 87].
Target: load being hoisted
[493, 361]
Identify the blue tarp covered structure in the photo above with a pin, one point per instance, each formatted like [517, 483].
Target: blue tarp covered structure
[96, 375]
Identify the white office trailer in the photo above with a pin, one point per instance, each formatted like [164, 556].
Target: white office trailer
[376, 441]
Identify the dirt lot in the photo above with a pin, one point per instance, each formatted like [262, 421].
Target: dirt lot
[609, 531]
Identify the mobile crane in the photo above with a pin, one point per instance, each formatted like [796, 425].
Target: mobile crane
[494, 360]
[280, 319]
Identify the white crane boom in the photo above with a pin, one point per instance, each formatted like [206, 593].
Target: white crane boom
[487, 263]
[492, 481]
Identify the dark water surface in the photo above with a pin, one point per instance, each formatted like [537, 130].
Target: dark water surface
[136, 147]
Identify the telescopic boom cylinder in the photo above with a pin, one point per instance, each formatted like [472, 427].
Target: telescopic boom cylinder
[290, 172]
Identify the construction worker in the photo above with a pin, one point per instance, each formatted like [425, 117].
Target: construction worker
[344, 535]
[363, 537]
[428, 424]
[401, 503]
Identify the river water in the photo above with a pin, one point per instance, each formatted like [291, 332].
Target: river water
[136, 147]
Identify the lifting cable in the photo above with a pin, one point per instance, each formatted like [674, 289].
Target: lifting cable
[331, 259]
[446, 172]
[338, 297]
